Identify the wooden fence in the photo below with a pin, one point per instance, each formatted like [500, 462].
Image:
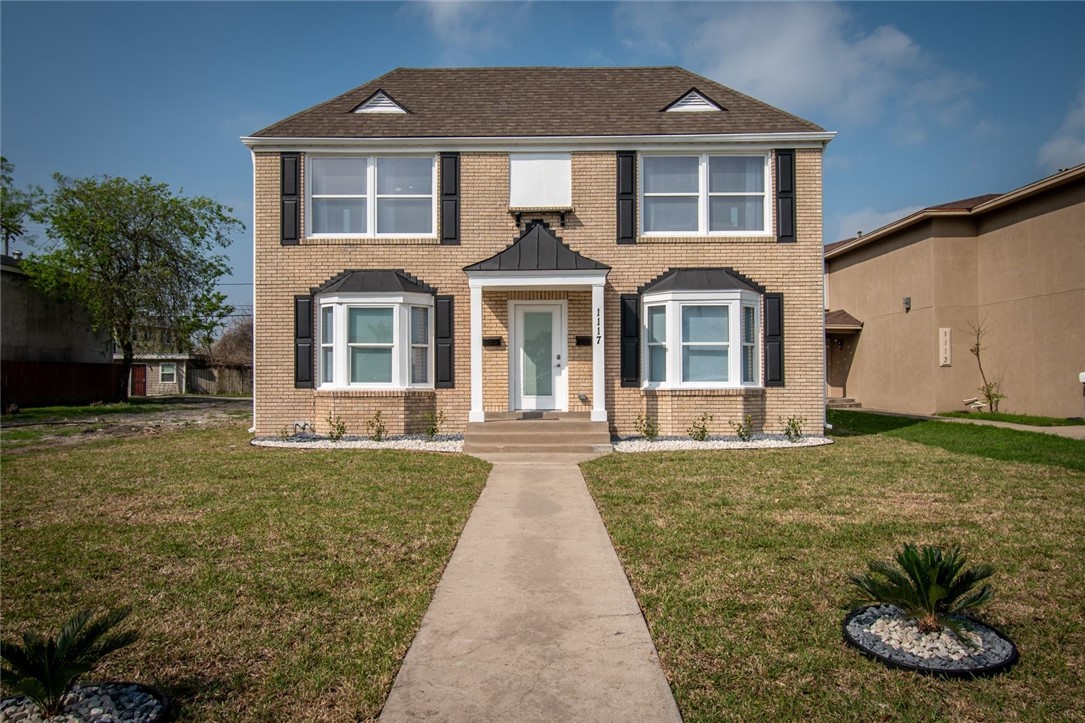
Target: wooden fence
[220, 380]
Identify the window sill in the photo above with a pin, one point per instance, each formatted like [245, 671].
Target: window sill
[373, 391]
[703, 391]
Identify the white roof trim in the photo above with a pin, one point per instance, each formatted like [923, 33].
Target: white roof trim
[379, 102]
[692, 102]
[538, 279]
[737, 141]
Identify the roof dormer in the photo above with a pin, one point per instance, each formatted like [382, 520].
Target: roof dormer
[380, 102]
[692, 102]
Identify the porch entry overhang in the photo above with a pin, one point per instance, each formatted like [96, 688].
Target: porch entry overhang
[538, 261]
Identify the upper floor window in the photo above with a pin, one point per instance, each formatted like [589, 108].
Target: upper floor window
[371, 196]
[704, 194]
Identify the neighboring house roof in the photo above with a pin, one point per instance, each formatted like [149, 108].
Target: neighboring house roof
[137, 357]
[841, 322]
[536, 101]
[374, 281]
[975, 206]
[700, 280]
[537, 249]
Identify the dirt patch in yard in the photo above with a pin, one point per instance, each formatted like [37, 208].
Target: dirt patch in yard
[169, 414]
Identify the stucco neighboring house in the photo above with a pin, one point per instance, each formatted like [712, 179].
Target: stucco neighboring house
[50, 352]
[614, 242]
[914, 290]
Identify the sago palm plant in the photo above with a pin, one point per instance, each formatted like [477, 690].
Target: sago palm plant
[44, 669]
[931, 590]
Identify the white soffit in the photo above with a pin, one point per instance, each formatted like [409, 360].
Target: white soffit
[692, 102]
[379, 103]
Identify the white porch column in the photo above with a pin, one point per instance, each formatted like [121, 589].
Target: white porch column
[476, 414]
[598, 358]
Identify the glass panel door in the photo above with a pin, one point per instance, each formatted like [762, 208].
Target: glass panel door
[537, 358]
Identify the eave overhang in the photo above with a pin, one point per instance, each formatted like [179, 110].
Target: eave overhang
[812, 139]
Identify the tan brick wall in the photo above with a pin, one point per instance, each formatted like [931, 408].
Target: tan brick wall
[486, 227]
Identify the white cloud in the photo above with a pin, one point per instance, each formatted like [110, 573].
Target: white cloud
[811, 58]
[1067, 147]
[867, 220]
[467, 29]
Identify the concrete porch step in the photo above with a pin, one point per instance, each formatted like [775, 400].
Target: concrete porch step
[543, 434]
[473, 448]
[842, 403]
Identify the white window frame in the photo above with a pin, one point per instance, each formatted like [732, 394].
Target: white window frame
[674, 302]
[371, 196]
[703, 195]
[401, 305]
[162, 373]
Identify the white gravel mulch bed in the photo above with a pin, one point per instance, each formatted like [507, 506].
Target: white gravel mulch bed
[759, 441]
[416, 442]
[92, 703]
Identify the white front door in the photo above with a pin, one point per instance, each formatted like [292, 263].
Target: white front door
[537, 368]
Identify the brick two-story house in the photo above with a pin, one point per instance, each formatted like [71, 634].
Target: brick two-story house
[614, 241]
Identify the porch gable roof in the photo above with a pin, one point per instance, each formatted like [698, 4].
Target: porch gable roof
[537, 249]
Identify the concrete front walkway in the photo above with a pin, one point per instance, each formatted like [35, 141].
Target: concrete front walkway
[534, 619]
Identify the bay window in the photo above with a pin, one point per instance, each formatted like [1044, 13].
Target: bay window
[701, 340]
[375, 341]
[371, 196]
[704, 194]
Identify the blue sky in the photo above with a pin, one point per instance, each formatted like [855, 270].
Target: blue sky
[931, 101]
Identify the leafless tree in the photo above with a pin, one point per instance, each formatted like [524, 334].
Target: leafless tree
[991, 391]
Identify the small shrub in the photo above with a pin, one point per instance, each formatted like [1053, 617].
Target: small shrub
[744, 429]
[698, 431]
[374, 427]
[337, 428]
[793, 428]
[646, 427]
[930, 590]
[45, 669]
[433, 424]
[284, 434]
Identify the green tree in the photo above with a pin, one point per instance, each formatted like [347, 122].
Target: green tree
[16, 205]
[135, 254]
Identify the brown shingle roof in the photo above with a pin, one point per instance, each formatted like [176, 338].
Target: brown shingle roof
[965, 204]
[841, 320]
[501, 102]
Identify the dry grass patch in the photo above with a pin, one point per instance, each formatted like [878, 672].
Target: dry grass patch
[268, 584]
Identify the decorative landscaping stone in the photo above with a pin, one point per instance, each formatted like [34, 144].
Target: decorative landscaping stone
[94, 703]
[759, 441]
[883, 633]
[416, 442]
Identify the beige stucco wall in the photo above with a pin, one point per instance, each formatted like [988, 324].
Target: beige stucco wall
[486, 228]
[1021, 270]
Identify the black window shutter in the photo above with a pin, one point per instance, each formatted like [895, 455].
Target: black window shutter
[445, 377]
[785, 196]
[627, 197]
[630, 340]
[291, 197]
[450, 199]
[774, 340]
[303, 342]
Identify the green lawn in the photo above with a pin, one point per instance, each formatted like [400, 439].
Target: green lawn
[739, 561]
[268, 584]
[1018, 418]
[970, 439]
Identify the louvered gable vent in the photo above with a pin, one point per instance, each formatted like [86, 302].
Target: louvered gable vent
[692, 102]
[379, 102]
